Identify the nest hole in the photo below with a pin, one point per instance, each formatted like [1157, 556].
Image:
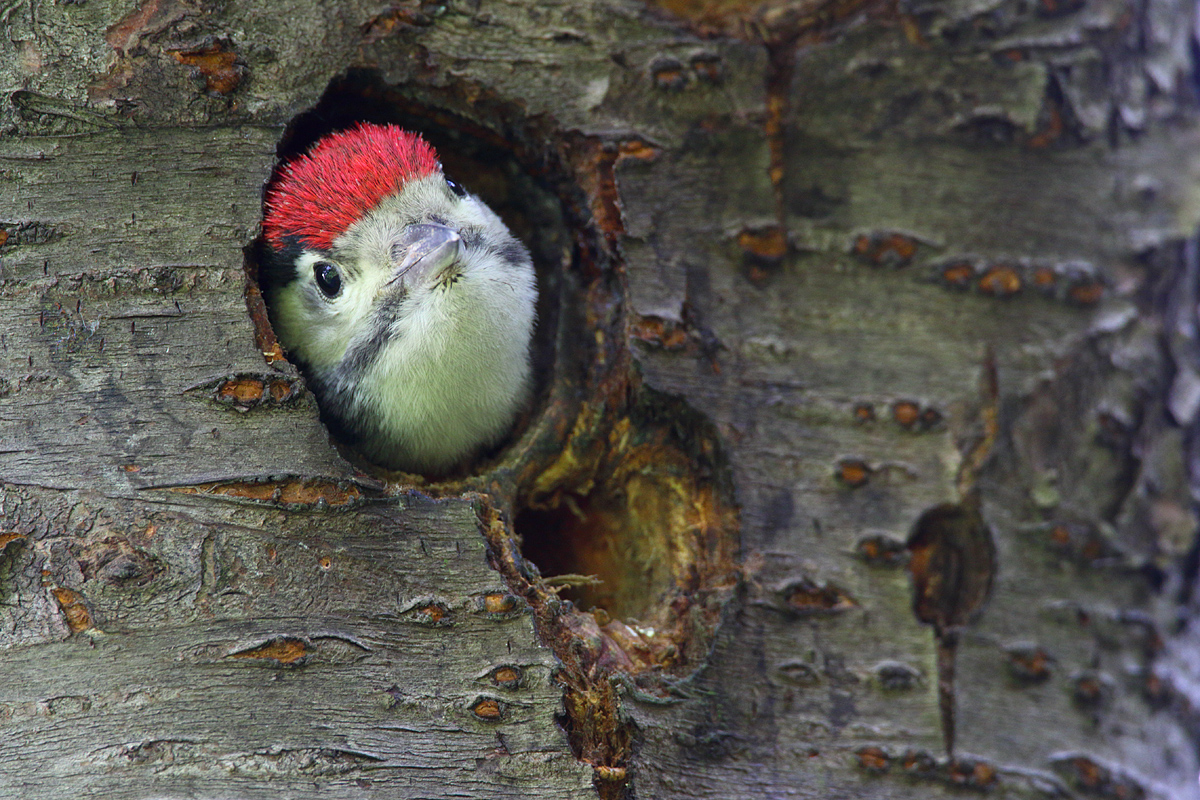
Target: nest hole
[485, 149]
[594, 551]
[651, 549]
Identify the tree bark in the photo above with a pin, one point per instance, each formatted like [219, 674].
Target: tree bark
[869, 382]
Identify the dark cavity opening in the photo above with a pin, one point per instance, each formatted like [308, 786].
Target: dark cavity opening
[649, 547]
[485, 150]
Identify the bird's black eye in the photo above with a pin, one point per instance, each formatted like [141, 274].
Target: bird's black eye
[328, 278]
[454, 187]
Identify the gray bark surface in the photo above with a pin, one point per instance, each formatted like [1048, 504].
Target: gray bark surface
[201, 597]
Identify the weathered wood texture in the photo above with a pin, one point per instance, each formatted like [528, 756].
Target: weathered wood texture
[828, 232]
[272, 657]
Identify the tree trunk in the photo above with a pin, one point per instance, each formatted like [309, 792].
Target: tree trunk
[863, 462]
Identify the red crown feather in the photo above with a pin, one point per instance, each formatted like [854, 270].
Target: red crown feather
[321, 194]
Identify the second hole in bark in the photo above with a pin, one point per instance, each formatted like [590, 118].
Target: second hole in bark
[651, 547]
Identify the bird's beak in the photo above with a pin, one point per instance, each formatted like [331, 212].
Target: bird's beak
[424, 249]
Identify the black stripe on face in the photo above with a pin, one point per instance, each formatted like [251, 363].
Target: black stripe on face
[363, 354]
[277, 268]
[512, 251]
[472, 238]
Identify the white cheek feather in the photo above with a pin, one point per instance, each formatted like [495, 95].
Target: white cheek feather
[316, 329]
[455, 371]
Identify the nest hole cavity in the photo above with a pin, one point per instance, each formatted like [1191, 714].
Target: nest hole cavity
[480, 147]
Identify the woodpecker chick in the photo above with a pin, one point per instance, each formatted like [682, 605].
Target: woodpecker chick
[404, 299]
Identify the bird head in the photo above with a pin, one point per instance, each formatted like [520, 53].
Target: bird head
[405, 299]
